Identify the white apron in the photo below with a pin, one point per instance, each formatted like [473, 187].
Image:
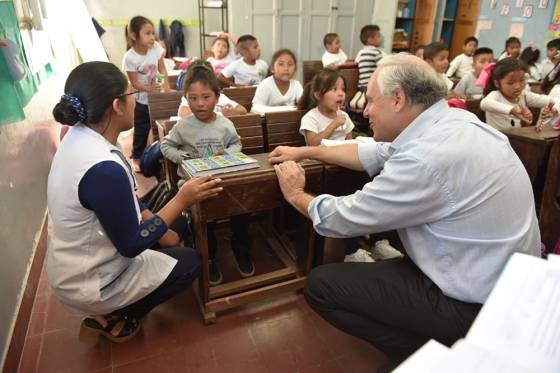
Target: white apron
[84, 269]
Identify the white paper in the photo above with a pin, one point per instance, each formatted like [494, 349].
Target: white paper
[485, 25]
[357, 140]
[426, 359]
[516, 29]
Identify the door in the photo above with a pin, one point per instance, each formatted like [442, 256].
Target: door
[349, 16]
[319, 21]
[290, 22]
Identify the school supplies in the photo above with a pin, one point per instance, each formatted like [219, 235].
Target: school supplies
[219, 164]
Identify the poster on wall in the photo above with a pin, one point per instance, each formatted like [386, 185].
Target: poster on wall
[505, 10]
[493, 3]
[516, 29]
[519, 3]
[543, 4]
[528, 11]
[556, 14]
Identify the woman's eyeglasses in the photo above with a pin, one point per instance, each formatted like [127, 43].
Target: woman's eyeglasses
[127, 94]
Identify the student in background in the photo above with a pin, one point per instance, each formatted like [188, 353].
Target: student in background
[205, 134]
[280, 89]
[223, 53]
[506, 100]
[552, 57]
[249, 70]
[334, 55]
[419, 51]
[513, 48]
[169, 63]
[530, 56]
[551, 88]
[225, 105]
[142, 62]
[367, 60]
[437, 56]
[482, 57]
[462, 64]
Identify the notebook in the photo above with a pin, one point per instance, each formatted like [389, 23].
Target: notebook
[219, 164]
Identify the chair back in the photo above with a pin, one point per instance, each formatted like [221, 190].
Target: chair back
[250, 129]
[162, 105]
[242, 95]
[282, 128]
[351, 76]
[474, 107]
[310, 68]
[169, 168]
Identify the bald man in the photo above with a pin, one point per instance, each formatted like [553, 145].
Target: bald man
[451, 186]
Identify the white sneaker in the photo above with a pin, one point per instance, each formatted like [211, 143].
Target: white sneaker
[383, 250]
[360, 256]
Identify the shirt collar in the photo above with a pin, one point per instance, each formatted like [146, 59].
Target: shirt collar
[421, 123]
[90, 132]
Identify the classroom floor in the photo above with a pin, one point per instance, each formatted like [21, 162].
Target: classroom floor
[280, 334]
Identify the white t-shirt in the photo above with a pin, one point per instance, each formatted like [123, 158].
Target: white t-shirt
[447, 81]
[461, 65]
[223, 100]
[268, 93]
[244, 73]
[145, 65]
[336, 58]
[316, 122]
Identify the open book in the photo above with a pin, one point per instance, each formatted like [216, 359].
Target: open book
[517, 330]
[219, 164]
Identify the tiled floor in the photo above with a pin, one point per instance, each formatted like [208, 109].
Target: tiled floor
[281, 334]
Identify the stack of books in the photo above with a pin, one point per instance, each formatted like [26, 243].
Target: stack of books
[219, 164]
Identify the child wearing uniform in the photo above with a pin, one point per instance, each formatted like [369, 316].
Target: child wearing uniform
[249, 70]
[334, 55]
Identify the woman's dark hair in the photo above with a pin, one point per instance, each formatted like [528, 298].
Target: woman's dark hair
[134, 26]
[221, 38]
[201, 71]
[320, 84]
[502, 68]
[279, 53]
[530, 56]
[90, 89]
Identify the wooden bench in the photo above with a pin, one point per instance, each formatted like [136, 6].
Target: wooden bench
[549, 219]
[282, 128]
[351, 75]
[250, 129]
[162, 105]
[242, 95]
[310, 68]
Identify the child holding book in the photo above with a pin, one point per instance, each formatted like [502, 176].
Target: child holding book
[205, 134]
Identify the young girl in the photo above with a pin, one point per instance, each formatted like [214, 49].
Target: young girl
[513, 47]
[506, 101]
[280, 89]
[551, 87]
[205, 134]
[223, 54]
[530, 56]
[142, 62]
[225, 105]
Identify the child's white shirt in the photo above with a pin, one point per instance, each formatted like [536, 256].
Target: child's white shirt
[145, 65]
[462, 65]
[316, 122]
[223, 100]
[447, 81]
[545, 66]
[268, 93]
[219, 64]
[334, 58]
[244, 73]
[498, 108]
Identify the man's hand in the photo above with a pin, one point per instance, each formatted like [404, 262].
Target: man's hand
[291, 177]
[285, 153]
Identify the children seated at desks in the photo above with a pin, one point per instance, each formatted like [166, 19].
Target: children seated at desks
[334, 55]
[223, 53]
[506, 100]
[142, 62]
[551, 88]
[169, 63]
[530, 56]
[249, 70]
[482, 57]
[205, 134]
[552, 57]
[462, 64]
[436, 55]
[367, 60]
[280, 89]
[513, 48]
[419, 51]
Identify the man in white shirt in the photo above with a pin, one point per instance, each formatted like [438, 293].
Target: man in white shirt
[451, 186]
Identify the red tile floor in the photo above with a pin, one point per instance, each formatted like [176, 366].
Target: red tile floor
[281, 334]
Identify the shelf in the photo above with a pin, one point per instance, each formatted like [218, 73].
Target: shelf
[448, 20]
[213, 7]
[405, 18]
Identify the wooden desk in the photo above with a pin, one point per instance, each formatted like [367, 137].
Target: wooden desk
[533, 148]
[251, 191]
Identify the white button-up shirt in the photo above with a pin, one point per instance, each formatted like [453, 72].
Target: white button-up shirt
[455, 191]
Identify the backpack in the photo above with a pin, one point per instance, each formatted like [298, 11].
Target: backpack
[150, 160]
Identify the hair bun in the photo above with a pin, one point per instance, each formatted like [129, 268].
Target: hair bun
[65, 113]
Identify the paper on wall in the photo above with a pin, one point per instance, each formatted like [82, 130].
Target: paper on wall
[516, 29]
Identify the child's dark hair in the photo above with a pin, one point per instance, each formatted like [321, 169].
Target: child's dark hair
[417, 48]
[89, 90]
[469, 39]
[368, 31]
[512, 40]
[530, 56]
[502, 68]
[320, 84]
[201, 71]
[329, 38]
[481, 51]
[554, 43]
[244, 40]
[433, 49]
[134, 26]
[221, 38]
[279, 53]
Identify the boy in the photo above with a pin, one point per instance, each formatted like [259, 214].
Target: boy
[466, 87]
[333, 55]
[369, 55]
[248, 70]
[462, 64]
[552, 58]
[436, 55]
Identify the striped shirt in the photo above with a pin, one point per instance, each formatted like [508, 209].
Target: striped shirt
[368, 57]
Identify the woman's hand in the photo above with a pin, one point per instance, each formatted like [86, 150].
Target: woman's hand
[198, 189]
[285, 153]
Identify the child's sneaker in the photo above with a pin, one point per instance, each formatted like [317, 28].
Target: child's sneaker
[245, 265]
[383, 250]
[360, 256]
[215, 277]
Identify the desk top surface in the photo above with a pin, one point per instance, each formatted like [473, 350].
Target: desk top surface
[529, 133]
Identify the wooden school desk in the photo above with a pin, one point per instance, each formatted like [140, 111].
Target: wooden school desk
[533, 148]
[250, 191]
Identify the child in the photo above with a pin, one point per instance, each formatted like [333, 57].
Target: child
[419, 51]
[462, 64]
[551, 87]
[513, 47]
[323, 97]
[530, 57]
[280, 89]
[369, 56]
[552, 57]
[482, 57]
[169, 63]
[204, 134]
[141, 62]
[225, 105]
[223, 54]
[506, 101]
[249, 70]
[334, 55]
[436, 55]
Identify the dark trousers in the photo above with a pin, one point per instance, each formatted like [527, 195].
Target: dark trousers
[141, 130]
[391, 304]
[351, 245]
[240, 239]
[186, 270]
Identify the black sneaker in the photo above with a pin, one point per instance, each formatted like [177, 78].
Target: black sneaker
[215, 277]
[245, 265]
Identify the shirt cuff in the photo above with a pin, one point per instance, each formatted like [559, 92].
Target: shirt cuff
[367, 154]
